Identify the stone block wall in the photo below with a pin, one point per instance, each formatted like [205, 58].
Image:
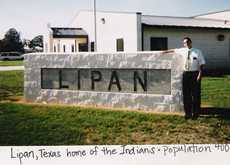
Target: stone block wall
[173, 102]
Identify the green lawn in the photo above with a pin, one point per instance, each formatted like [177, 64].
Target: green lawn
[61, 125]
[26, 124]
[11, 63]
[11, 84]
[216, 91]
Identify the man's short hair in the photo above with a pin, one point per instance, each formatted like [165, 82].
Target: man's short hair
[188, 39]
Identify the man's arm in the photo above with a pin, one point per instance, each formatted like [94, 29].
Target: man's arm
[202, 63]
[168, 51]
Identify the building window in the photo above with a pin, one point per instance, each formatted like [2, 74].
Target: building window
[83, 47]
[159, 43]
[55, 48]
[64, 48]
[72, 48]
[92, 46]
[120, 44]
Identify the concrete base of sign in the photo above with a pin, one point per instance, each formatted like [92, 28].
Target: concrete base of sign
[136, 101]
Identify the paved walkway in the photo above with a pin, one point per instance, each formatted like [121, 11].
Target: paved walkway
[9, 68]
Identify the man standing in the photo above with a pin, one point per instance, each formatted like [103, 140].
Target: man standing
[193, 62]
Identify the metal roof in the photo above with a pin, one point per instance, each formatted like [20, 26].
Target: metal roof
[224, 15]
[184, 22]
[106, 11]
[59, 32]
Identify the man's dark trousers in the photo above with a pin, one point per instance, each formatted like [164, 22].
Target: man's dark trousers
[191, 92]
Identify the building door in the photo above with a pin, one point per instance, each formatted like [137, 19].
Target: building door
[83, 47]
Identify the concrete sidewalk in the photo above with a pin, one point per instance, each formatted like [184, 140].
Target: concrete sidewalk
[9, 68]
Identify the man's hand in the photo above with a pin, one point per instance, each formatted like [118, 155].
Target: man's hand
[198, 77]
[200, 73]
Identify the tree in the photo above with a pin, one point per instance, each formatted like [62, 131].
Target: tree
[12, 41]
[1, 45]
[36, 42]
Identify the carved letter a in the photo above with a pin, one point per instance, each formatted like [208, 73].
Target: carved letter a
[114, 80]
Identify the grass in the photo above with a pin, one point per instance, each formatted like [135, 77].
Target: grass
[22, 124]
[29, 124]
[216, 91]
[11, 84]
[11, 63]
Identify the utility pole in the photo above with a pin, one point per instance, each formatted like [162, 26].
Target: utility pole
[95, 26]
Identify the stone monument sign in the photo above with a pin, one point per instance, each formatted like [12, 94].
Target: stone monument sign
[146, 81]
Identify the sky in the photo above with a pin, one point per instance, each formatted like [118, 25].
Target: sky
[30, 17]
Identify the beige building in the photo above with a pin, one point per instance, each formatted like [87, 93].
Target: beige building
[66, 40]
